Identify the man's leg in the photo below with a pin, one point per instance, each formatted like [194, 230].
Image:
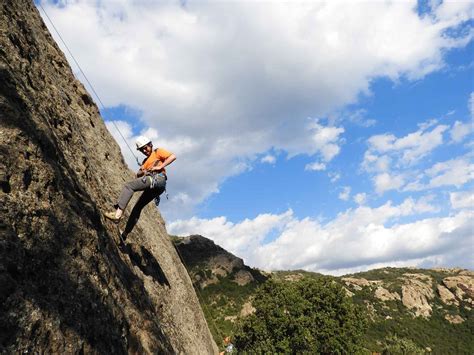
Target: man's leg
[130, 187]
[146, 197]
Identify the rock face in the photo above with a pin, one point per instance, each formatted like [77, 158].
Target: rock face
[385, 295]
[65, 285]
[359, 283]
[247, 309]
[462, 286]
[447, 296]
[416, 293]
[454, 319]
[419, 291]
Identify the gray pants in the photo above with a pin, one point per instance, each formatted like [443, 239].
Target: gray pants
[141, 184]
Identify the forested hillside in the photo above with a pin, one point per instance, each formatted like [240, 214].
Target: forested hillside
[407, 309]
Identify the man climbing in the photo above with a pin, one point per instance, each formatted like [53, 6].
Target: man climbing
[151, 179]
[229, 347]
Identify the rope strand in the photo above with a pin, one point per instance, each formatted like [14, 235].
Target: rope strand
[87, 80]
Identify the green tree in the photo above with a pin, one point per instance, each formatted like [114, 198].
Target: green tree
[399, 346]
[313, 316]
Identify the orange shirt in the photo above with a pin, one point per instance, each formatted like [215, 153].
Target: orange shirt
[158, 154]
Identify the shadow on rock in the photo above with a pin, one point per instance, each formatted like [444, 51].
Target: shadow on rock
[146, 262]
[65, 286]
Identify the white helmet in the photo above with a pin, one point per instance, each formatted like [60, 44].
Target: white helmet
[142, 141]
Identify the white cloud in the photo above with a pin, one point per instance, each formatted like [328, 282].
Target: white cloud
[269, 159]
[460, 130]
[462, 199]
[396, 163]
[334, 176]
[355, 240]
[471, 105]
[358, 117]
[376, 163]
[455, 172]
[385, 182]
[360, 198]
[201, 71]
[316, 166]
[428, 124]
[412, 147]
[237, 237]
[345, 194]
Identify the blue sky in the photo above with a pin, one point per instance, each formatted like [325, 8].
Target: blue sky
[334, 137]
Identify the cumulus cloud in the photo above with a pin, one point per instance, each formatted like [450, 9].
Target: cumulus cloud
[315, 166]
[460, 130]
[471, 105]
[269, 159]
[345, 194]
[333, 176]
[355, 240]
[462, 199]
[360, 198]
[455, 172]
[385, 182]
[200, 72]
[398, 163]
[412, 147]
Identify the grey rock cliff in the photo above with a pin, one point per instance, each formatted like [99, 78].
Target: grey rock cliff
[65, 285]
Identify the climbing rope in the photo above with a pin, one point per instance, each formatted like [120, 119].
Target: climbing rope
[87, 80]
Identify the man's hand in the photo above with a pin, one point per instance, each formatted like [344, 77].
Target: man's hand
[141, 172]
[158, 167]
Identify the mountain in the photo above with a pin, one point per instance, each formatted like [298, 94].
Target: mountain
[66, 285]
[427, 310]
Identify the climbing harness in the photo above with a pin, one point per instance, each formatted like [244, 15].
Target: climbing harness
[155, 181]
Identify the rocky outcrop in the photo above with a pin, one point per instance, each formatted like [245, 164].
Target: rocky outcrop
[348, 293]
[207, 262]
[247, 309]
[65, 285]
[385, 295]
[446, 296]
[462, 286]
[243, 277]
[358, 283]
[454, 319]
[416, 293]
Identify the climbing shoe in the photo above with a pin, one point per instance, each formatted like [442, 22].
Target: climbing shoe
[111, 216]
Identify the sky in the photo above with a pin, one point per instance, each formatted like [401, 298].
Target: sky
[328, 136]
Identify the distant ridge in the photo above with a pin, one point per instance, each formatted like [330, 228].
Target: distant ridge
[430, 308]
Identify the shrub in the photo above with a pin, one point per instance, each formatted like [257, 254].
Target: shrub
[399, 346]
[310, 315]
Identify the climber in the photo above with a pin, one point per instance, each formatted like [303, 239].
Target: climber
[151, 179]
[229, 347]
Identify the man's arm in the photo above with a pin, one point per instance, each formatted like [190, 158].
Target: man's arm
[158, 165]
